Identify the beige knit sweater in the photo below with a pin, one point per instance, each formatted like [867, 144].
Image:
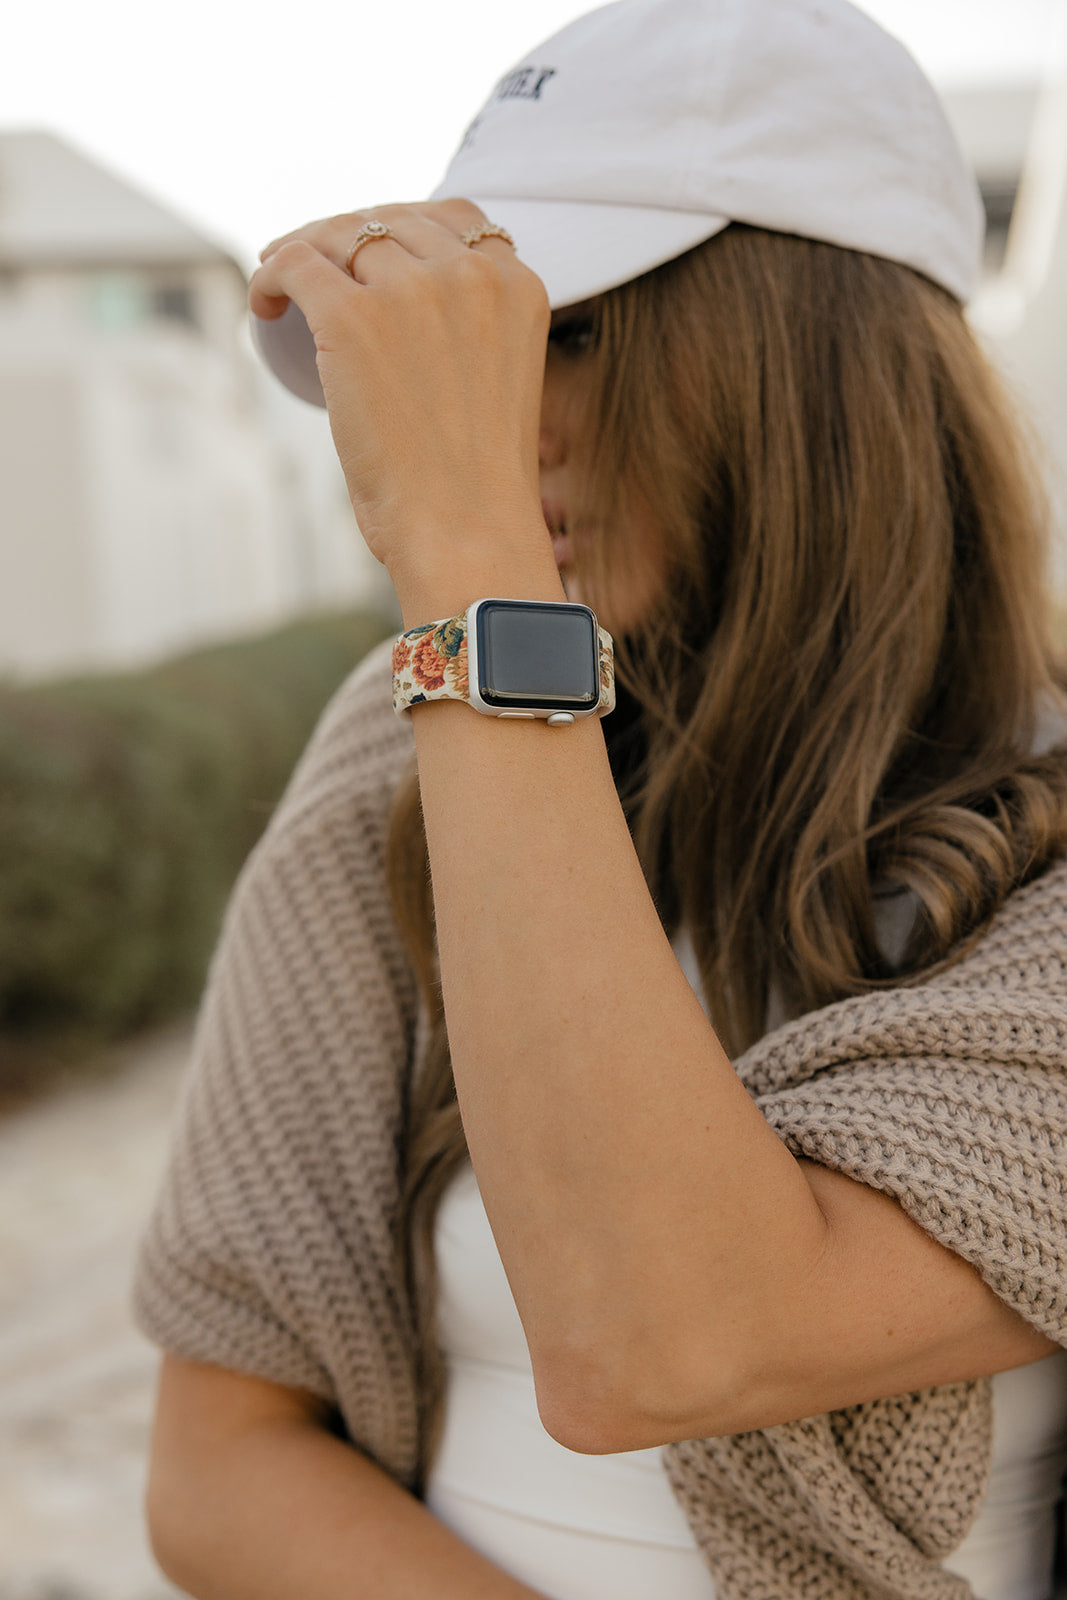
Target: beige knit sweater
[271, 1248]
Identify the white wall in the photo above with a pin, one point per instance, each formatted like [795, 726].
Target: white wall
[151, 496]
[48, 581]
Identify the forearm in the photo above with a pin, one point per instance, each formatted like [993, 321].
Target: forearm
[284, 1509]
[601, 1113]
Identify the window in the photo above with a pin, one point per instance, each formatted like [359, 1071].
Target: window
[116, 300]
[175, 302]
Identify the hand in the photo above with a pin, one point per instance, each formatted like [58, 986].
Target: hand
[431, 355]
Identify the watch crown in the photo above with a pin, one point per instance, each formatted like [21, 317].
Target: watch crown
[560, 719]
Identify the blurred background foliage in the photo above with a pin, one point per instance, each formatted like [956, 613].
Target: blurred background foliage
[127, 804]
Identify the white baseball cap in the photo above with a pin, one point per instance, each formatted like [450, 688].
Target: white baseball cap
[647, 126]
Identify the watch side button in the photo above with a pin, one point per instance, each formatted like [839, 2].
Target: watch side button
[526, 715]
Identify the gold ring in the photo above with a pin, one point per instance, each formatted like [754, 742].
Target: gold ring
[369, 231]
[486, 230]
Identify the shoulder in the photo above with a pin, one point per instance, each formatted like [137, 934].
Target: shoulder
[1003, 996]
[1023, 949]
[312, 900]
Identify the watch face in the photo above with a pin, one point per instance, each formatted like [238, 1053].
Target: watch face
[534, 656]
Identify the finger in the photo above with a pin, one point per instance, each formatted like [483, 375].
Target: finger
[375, 238]
[334, 235]
[456, 214]
[374, 260]
[420, 236]
[408, 225]
[463, 217]
[297, 271]
[494, 246]
[317, 230]
[427, 230]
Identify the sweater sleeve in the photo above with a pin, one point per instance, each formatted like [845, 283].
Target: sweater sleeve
[952, 1097]
[270, 1248]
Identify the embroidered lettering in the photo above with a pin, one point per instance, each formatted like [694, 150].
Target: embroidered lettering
[472, 129]
[525, 83]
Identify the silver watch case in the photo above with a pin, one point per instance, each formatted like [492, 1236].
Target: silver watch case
[495, 665]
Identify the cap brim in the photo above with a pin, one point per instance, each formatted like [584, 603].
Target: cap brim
[580, 248]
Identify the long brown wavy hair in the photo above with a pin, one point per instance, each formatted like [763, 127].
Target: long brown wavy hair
[840, 685]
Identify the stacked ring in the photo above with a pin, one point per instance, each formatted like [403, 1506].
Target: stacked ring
[369, 231]
[381, 230]
[486, 230]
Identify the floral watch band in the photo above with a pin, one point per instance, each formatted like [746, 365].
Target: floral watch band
[430, 663]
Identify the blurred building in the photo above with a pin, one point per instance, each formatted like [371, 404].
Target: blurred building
[993, 123]
[154, 490]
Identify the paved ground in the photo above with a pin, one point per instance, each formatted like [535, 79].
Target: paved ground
[77, 1173]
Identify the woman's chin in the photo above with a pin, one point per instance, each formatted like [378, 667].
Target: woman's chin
[617, 614]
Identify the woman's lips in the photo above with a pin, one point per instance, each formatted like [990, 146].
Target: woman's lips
[556, 522]
[561, 549]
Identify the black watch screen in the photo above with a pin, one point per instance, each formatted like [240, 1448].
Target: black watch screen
[538, 656]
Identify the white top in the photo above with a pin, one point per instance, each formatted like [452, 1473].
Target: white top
[578, 1527]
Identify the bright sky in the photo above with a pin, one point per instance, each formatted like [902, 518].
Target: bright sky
[251, 119]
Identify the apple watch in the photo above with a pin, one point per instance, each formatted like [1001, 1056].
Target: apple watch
[510, 658]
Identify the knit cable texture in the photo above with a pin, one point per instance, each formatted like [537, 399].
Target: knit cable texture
[272, 1246]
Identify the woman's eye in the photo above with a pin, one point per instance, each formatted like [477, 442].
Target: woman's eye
[572, 334]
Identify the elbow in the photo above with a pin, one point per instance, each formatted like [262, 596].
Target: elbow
[583, 1399]
[164, 1534]
[597, 1406]
[168, 1528]
[579, 1423]
[180, 1503]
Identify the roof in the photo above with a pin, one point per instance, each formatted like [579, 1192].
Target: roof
[59, 206]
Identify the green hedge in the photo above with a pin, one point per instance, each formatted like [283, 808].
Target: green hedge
[127, 804]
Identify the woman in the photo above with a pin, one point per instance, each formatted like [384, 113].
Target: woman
[826, 806]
